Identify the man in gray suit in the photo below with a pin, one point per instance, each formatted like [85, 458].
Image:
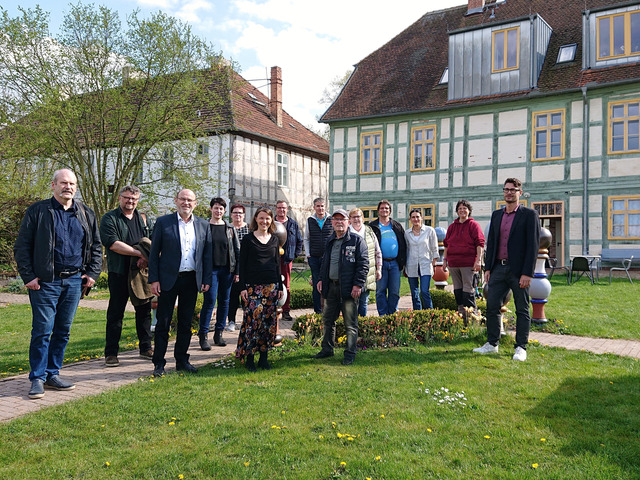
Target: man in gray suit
[179, 265]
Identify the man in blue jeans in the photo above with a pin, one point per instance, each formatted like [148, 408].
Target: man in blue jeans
[390, 235]
[319, 229]
[58, 252]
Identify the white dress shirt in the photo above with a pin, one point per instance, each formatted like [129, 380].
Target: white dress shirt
[187, 231]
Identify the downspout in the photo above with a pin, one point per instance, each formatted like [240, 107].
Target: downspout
[585, 172]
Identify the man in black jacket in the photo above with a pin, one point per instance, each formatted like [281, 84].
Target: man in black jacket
[343, 275]
[58, 251]
[390, 236]
[512, 250]
[319, 228]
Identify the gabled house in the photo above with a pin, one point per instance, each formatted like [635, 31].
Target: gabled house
[548, 92]
[257, 153]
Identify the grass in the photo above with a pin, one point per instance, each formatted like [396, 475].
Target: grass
[86, 340]
[600, 310]
[561, 415]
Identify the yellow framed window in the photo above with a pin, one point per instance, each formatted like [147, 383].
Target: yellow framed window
[624, 217]
[618, 35]
[505, 49]
[548, 135]
[624, 126]
[371, 152]
[369, 214]
[423, 146]
[428, 211]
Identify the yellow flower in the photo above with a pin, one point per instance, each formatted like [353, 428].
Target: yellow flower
[107, 464]
[172, 423]
[339, 435]
[320, 437]
[343, 464]
[377, 459]
[382, 416]
[487, 436]
[103, 426]
[429, 430]
[181, 476]
[543, 439]
[283, 412]
[535, 465]
[246, 464]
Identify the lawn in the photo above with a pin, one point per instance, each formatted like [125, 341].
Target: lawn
[86, 340]
[561, 415]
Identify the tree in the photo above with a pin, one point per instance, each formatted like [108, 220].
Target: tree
[335, 87]
[107, 101]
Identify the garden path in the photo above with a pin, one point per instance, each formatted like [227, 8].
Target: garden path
[92, 377]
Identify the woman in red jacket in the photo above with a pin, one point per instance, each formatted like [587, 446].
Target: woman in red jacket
[463, 246]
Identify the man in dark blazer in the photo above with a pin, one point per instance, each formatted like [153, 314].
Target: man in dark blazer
[512, 250]
[179, 265]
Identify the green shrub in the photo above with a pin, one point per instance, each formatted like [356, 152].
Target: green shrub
[16, 286]
[301, 297]
[447, 301]
[102, 283]
[401, 328]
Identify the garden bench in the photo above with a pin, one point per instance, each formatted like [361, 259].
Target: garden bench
[617, 255]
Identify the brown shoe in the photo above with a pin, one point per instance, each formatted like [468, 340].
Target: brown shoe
[112, 361]
[148, 354]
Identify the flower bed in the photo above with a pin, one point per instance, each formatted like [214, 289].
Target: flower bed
[401, 328]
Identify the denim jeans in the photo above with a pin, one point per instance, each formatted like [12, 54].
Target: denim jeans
[314, 264]
[388, 288]
[420, 296]
[501, 281]
[220, 289]
[363, 303]
[333, 305]
[53, 308]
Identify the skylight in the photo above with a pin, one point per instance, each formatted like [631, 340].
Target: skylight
[567, 53]
[445, 76]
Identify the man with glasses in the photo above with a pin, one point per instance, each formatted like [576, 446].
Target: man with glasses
[511, 254]
[180, 264]
[292, 249]
[121, 229]
[343, 276]
[390, 235]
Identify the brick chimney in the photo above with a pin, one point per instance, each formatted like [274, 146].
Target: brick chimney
[475, 6]
[275, 102]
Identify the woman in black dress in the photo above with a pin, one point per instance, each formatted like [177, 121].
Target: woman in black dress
[262, 288]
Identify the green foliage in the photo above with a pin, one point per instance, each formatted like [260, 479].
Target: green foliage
[16, 286]
[401, 328]
[301, 297]
[102, 282]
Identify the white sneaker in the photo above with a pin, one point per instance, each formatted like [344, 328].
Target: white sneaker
[231, 327]
[486, 348]
[520, 355]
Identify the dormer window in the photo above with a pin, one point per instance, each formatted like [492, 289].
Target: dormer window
[505, 49]
[619, 35]
[444, 79]
[567, 53]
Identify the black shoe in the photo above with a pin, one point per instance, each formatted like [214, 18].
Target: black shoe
[323, 354]
[348, 361]
[218, 340]
[286, 316]
[56, 383]
[37, 389]
[251, 366]
[187, 367]
[158, 371]
[204, 343]
[263, 363]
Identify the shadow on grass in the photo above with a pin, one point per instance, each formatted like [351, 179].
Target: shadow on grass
[596, 416]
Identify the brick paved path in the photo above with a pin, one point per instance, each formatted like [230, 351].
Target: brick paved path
[92, 377]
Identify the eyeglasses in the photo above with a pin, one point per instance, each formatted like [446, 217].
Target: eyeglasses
[237, 213]
[130, 199]
[187, 200]
[510, 190]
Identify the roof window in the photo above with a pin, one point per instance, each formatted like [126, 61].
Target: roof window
[567, 53]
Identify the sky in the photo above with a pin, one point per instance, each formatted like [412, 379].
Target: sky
[313, 42]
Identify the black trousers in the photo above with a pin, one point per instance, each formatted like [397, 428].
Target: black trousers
[186, 291]
[118, 298]
[234, 300]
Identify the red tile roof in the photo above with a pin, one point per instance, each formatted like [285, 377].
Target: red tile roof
[402, 76]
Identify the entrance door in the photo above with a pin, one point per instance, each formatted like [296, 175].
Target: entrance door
[552, 218]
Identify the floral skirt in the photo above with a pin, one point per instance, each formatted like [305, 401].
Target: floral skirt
[259, 323]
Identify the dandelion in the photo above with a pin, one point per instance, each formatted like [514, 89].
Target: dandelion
[534, 465]
[429, 430]
[382, 416]
[378, 458]
[487, 436]
[172, 423]
[181, 477]
[283, 412]
[320, 437]
[343, 464]
[246, 464]
[107, 464]
[103, 425]
[543, 439]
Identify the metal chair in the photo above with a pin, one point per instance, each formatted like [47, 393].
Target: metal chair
[553, 265]
[626, 265]
[581, 266]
